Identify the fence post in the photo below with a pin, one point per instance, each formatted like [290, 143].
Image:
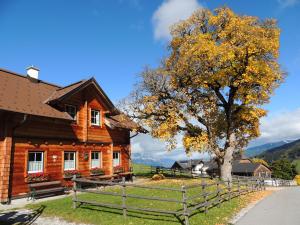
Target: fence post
[218, 193]
[205, 196]
[74, 192]
[238, 186]
[124, 197]
[185, 208]
[229, 190]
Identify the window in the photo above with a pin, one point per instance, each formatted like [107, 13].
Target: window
[35, 162]
[95, 117]
[96, 160]
[71, 110]
[116, 159]
[69, 161]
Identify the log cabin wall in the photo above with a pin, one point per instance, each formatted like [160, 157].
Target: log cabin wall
[54, 136]
[53, 152]
[262, 171]
[6, 132]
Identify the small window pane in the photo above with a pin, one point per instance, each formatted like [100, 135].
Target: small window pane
[31, 156]
[66, 156]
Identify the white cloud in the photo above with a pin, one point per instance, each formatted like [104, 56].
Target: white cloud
[287, 3]
[147, 147]
[170, 12]
[275, 127]
[281, 126]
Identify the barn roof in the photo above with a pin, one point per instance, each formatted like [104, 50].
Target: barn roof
[187, 164]
[238, 167]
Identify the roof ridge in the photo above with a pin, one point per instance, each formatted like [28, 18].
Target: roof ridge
[24, 76]
[77, 82]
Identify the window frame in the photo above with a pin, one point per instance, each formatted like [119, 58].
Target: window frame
[119, 158]
[99, 159]
[71, 106]
[42, 160]
[74, 159]
[99, 119]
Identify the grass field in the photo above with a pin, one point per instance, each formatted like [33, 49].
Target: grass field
[141, 170]
[98, 215]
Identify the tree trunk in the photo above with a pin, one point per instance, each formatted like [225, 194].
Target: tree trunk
[226, 165]
[226, 168]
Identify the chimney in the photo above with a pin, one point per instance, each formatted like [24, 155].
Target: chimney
[33, 72]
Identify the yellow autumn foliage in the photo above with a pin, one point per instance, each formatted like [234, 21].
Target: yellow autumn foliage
[221, 69]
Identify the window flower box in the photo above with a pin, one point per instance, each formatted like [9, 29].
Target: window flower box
[36, 177]
[118, 169]
[68, 174]
[97, 171]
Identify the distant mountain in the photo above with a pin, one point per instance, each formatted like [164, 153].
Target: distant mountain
[140, 159]
[290, 151]
[253, 151]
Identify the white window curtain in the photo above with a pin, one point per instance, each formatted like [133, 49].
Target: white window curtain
[35, 162]
[69, 161]
[116, 159]
[96, 160]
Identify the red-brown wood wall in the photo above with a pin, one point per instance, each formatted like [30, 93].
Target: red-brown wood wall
[54, 136]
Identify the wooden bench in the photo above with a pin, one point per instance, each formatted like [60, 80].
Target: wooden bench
[127, 175]
[44, 188]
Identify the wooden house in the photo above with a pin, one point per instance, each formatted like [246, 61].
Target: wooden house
[243, 167]
[48, 132]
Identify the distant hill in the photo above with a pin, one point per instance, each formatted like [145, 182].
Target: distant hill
[290, 151]
[140, 159]
[254, 151]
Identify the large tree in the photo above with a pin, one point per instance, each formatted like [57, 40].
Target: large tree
[210, 89]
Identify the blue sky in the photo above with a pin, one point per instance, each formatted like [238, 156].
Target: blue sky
[113, 40]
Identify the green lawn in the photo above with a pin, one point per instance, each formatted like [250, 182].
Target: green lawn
[141, 170]
[100, 215]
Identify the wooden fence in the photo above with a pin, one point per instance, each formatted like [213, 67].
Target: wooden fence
[172, 172]
[206, 198]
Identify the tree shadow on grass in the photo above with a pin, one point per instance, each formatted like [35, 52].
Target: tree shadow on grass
[138, 214]
[25, 217]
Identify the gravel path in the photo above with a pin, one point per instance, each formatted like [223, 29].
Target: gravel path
[23, 216]
[280, 208]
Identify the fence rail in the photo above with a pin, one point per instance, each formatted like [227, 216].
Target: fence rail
[207, 198]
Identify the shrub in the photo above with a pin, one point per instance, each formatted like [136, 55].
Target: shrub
[283, 169]
[297, 178]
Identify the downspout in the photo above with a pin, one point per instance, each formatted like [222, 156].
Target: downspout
[22, 122]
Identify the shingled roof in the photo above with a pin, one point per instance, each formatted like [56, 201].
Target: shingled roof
[186, 164]
[238, 167]
[122, 121]
[23, 95]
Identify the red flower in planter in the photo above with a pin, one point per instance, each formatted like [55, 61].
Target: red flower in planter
[118, 169]
[71, 173]
[97, 171]
[37, 177]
